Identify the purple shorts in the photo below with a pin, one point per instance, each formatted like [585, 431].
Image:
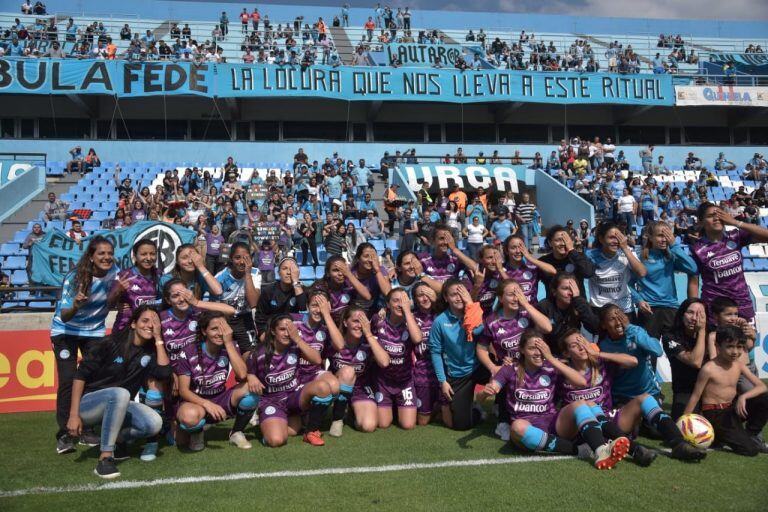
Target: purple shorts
[400, 394]
[545, 422]
[614, 415]
[427, 395]
[223, 400]
[307, 376]
[362, 393]
[280, 406]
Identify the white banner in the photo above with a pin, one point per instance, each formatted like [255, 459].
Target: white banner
[728, 95]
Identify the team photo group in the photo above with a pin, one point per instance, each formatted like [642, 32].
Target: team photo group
[450, 329]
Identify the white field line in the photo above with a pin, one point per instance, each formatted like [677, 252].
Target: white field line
[136, 484]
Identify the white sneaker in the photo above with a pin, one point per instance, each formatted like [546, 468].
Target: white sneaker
[337, 427]
[254, 421]
[238, 439]
[502, 430]
[197, 441]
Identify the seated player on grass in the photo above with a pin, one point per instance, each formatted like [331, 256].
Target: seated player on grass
[597, 367]
[738, 419]
[638, 384]
[273, 371]
[202, 371]
[537, 424]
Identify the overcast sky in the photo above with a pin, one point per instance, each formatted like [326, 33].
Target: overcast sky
[683, 9]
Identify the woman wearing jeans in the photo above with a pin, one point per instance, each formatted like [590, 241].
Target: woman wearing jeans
[109, 376]
[78, 323]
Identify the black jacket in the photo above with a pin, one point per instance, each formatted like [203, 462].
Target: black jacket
[578, 315]
[110, 363]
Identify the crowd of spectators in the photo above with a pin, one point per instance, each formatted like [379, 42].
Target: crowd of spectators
[753, 48]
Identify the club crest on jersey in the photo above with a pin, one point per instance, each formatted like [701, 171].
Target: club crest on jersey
[360, 356]
[404, 336]
[599, 378]
[527, 275]
[320, 336]
[544, 380]
[222, 362]
[144, 361]
[493, 284]
[291, 359]
[292, 302]
[344, 298]
[193, 325]
[523, 322]
[379, 396]
[269, 411]
[64, 354]
[731, 244]
[451, 267]
[570, 267]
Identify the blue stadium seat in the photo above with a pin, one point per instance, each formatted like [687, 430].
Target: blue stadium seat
[10, 249]
[378, 245]
[40, 304]
[319, 272]
[307, 273]
[21, 235]
[19, 278]
[392, 244]
[15, 263]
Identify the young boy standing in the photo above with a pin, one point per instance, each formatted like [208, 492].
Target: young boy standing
[716, 387]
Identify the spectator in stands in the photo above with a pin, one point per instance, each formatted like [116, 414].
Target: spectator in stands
[722, 164]
[186, 32]
[55, 209]
[76, 232]
[224, 23]
[77, 159]
[646, 158]
[524, 213]
[26, 8]
[692, 162]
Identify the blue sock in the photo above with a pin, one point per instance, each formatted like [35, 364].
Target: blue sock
[345, 390]
[248, 403]
[192, 430]
[599, 413]
[533, 438]
[652, 411]
[154, 399]
[583, 416]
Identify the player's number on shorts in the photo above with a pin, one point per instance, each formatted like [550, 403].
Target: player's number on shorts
[407, 394]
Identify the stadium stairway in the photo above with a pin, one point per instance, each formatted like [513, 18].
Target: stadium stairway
[343, 45]
[20, 219]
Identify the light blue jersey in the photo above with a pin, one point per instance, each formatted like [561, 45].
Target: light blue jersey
[89, 319]
[631, 382]
[233, 290]
[657, 288]
[452, 356]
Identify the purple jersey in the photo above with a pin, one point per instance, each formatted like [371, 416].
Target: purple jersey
[177, 333]
[503, 334]
[370, 282]
[722, 269]
[359, 357]
[423, 371]
[486, 295]
[527, 276]
[534, 400]
[317, 338]
[441, 269]
[396, 341]
[140, 291]
[207, 374]
[340, 298]
[265, 260]
[599, 392]
[282, 376]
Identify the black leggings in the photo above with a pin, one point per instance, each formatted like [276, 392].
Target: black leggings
[464, 395]
[731, 431]
[65, 347]
[309, 246]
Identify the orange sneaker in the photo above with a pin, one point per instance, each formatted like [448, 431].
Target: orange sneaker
[608, 455]
[315, 438]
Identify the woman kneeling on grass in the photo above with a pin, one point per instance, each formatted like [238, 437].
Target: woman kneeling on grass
[273, 370]
[202, 375]
[537, 425]
[110, 374]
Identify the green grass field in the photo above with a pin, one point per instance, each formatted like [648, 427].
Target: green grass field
[722, 482]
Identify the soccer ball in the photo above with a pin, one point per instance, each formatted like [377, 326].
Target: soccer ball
[696, 430]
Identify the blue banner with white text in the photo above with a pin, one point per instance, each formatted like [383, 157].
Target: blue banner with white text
[138, 79]
[54, 255]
